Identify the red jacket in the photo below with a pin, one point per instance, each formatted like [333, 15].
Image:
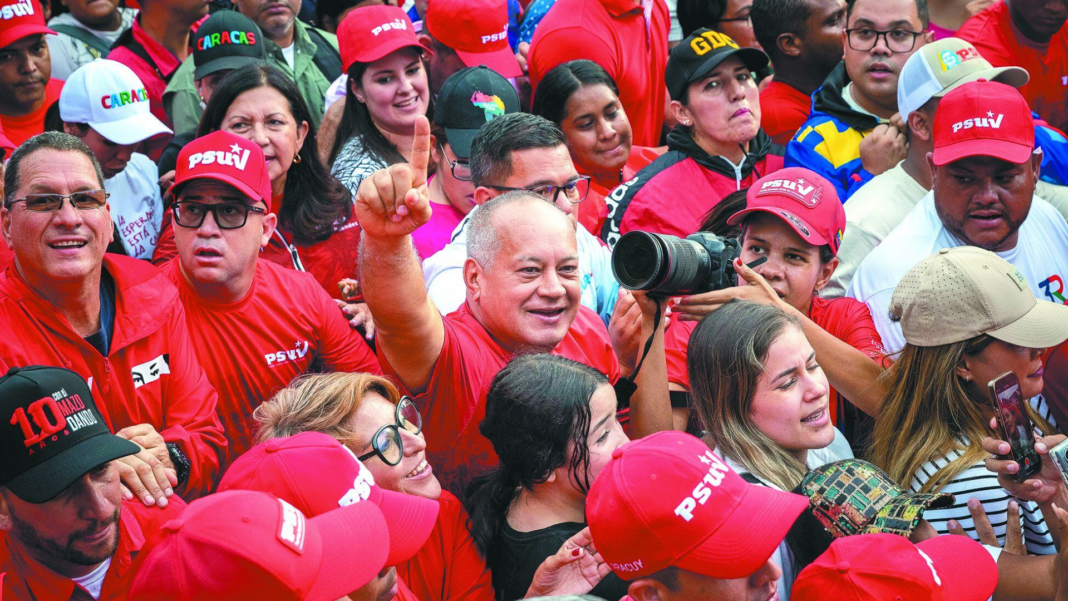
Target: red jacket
[151, 374]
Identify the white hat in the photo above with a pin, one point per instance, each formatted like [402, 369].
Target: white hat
[111, 99]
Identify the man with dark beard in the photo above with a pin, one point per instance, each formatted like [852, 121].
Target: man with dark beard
[65, 532]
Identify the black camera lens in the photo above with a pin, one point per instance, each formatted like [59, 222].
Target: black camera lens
[661, 264]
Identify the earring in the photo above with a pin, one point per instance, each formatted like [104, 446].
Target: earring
[686, 123]
[296, 159]
[360, 100]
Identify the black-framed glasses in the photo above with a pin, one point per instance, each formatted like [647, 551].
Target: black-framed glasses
[461, 170]
[228, 215]
[575, 190]
[386, 444]
[746, 18]
[897, 40]
[46, 203]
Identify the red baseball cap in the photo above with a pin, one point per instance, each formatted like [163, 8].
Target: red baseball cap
[477, 30]
[888, 566]
[668, 500]
[250, 545]
[801, 198]
[21, 18]
[280, 467]
[983, 118]
[367, 34]
[228, 158]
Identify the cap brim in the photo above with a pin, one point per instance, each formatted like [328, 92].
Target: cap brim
[411, 519]
[999, 149]
[502, 61]
[15, 34]
[1045, 325]
[903, 513]
[1013, 76]
[753, 59]
[748, 536]
[44, 482]
[226, 62]
[460, 140]
[131, 130]
[343, 530]
[241, 186]
[812, 237]
[967, 571]
[383, 50]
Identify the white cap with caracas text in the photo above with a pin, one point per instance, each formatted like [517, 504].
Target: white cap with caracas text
[110, 98]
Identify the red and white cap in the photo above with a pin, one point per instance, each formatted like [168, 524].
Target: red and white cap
[249, 545]
[983, 118]
[801, 198]
[280, 467]
[889, 566]
[21, 18]
[227, 158]
[668, 500]
[477, 30]
[368, 33]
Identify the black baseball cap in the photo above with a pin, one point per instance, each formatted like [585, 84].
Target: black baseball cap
[701, 52]
[227, 40]
[469, 99]
[51, 432]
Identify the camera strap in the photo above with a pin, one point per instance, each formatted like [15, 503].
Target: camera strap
[625, 387]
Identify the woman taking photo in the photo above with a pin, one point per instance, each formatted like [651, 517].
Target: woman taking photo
[968, 317]
[552, 422]
[581, 98]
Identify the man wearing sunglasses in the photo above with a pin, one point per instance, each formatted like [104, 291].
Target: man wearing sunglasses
[256, 325]
[115, 321]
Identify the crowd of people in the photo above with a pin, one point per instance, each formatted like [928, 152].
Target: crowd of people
[351, 300]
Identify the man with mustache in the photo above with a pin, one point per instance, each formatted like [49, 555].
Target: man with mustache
[853, 132]
[983, 176]
[65, 532]
[25, 70]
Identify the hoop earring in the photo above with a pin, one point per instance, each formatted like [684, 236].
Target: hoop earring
[297, 159]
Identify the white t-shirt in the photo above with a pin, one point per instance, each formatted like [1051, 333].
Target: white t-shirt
[94, 581]
[136, 206]
[1041, 254]
[68, 53]
[290, 54]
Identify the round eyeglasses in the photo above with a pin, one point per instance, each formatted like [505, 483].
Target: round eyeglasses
[386, 444]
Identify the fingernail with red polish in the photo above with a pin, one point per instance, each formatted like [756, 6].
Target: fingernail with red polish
[576, 552]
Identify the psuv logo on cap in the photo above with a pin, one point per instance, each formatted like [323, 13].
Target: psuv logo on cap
[247, 38]
[237, 157]
[703, 491]
[361, 487]
[22, 8]
[804, 192]
[988, 121]
[949, 59]
[50, 417]
[711, 40]
[292, 527]
[496, 37]
[398, 24]
[118, 99]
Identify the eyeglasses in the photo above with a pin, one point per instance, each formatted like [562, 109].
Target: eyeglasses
[897, 40]
[746, 18]
[461, 170]
[228, 215]
[575, 190]
[45, 203]
[386, 443]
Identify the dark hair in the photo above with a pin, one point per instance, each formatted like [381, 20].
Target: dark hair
[332, 9]
[921, 8]
[695, 14]
[492, 148]
[537, 415]
[315, 201]
[49, 140]
[563, 80]
[772, 18]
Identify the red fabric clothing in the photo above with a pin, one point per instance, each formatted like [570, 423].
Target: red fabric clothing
[253, 348]
[847, 319]
[454, 402]
[403, 592]
[783, 110]
[593, 211]
[449, 566]
[615, 35]
[997, 39]
[154, 75]
[151, 374]
[20, 129]
[28, 579]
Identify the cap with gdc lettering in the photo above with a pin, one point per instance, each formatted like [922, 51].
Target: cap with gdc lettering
[19, 19]
[476, 30]
[469, 99]
[249, 545]
[889, 566]
[668, 500]
[700, 53]
[983, 118]
[111, 99]
[228, 158]
[959, 293]
[227, 40]
[806, 201]
[369, 33]
[280, 467]
[51, 433]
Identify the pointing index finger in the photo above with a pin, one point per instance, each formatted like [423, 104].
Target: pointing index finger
[420, 152]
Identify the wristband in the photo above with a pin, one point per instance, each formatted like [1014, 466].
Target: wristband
[181, 463]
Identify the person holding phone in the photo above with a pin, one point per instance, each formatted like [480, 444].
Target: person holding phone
[967, 316]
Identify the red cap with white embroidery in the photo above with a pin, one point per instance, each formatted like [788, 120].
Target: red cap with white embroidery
[801, 198]
[983, 118]
[228, 158]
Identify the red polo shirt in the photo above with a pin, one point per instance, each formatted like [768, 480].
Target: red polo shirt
[154, 75]
[783, 110]
[20, 129]
[997, 39]
[616, 35]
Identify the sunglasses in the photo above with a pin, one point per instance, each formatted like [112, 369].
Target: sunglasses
[386, 443]
[228, 215]
[45, 203]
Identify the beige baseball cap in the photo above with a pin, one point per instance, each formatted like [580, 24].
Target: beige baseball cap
[959, 293]
[940, 67]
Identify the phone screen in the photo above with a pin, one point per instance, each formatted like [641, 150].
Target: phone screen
[1015, 423]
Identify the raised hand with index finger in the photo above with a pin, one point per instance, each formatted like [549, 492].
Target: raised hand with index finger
[395, 201]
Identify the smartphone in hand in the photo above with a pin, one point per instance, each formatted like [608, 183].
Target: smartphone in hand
[1016, 426]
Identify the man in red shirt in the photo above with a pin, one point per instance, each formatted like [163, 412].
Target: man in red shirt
[1029, 34]
[467, 33]
[629, 38]
[230, 296]
[114, 320]
[25, 70]
[522, 283]
[65, 532]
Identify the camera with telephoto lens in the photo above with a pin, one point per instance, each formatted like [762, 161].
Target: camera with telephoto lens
[665, 265]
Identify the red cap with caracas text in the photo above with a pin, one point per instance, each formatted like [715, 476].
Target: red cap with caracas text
[21, 18]
[368, 33]
[889, 566]
[801, 198]
[477, 30]
[280, 467]
[249, 545]
[983, 118]
[227, 158]
[668, 500]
